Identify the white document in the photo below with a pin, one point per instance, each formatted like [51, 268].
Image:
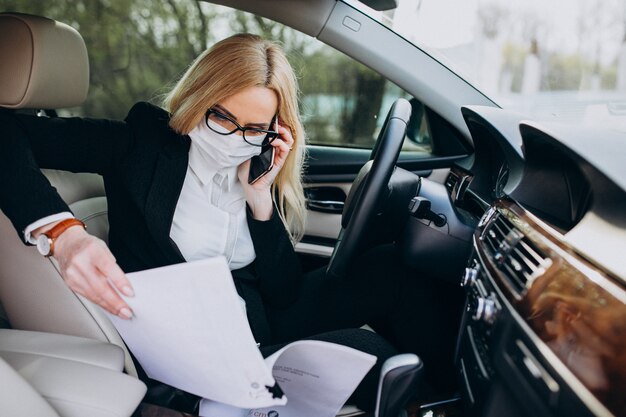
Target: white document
[189, 331]
[317, 378]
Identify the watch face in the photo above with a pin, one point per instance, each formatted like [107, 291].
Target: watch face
[43, 245]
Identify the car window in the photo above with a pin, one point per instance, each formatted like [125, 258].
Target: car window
[138, 48]
[551, 60]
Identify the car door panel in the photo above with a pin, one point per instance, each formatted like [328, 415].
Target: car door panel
[329, 174]
[322, 226]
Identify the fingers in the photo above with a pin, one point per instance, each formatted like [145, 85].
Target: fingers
[88, 281]
[89, 269]
[101, 292]
[281, 152]
[110, 269]
[286, 136]
[282, 146]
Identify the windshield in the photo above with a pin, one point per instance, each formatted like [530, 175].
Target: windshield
[549, 59]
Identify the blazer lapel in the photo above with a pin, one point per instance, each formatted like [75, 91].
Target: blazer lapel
[164, 192]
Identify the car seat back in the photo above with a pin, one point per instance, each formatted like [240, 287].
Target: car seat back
[44, 65]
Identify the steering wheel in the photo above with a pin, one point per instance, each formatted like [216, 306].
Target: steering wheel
[370, 189]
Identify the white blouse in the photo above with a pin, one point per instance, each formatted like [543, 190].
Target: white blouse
[210, 216]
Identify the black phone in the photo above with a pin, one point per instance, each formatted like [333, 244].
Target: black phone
[262, 164]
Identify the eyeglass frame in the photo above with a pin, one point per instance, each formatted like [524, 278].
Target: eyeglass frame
[271, 134]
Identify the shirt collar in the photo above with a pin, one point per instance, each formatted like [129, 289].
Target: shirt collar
[203, 166]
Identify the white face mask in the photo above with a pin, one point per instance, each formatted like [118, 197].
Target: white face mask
[226, 150]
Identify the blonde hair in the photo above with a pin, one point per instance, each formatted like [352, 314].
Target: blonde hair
[230, 66]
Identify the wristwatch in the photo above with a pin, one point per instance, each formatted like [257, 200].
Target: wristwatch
[45, 241]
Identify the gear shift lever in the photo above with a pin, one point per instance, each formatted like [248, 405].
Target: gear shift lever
[399, 377]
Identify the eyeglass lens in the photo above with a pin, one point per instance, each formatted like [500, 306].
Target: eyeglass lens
[229, 126]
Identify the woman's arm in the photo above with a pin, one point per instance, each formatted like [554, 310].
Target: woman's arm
[72, 144]
[277, 265]
[28, 142]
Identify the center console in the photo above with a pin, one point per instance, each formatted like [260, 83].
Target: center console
[524, 347]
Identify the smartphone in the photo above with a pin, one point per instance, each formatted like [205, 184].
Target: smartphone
[262, 163]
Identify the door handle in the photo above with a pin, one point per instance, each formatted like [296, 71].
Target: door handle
[325, 199]
[325, 206]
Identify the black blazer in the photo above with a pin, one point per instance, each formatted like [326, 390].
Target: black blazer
[143, 163]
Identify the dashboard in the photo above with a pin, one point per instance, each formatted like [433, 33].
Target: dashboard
[544, 326]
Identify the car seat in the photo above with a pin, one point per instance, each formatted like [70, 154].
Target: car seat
[44, 65]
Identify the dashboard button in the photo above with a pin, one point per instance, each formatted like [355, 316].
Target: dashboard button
[490, 312]
[469, 277]
[485, 311]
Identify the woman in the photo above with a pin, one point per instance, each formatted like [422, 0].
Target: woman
[177, 190]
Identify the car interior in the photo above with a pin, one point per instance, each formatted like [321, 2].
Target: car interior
[520, 223]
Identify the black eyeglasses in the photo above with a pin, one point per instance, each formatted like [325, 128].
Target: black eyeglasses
[224, 125]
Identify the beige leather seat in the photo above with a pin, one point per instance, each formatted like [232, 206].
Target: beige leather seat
[22, 399]
[64, 376]
[44, 65]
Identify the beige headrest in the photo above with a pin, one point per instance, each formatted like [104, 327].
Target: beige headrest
[43, 63]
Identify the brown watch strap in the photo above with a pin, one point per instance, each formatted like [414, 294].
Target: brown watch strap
[59, 228]
[62, 226]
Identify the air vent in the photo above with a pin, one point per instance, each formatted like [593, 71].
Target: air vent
[451, 181]
[517, 257]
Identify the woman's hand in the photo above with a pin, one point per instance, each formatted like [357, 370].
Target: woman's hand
[258, 195]
[89, 269]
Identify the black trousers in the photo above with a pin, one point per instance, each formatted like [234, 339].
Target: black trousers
[369, 294]
[333, 310]
[408, 313]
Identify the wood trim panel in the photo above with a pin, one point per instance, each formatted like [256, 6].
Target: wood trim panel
[575, 307]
